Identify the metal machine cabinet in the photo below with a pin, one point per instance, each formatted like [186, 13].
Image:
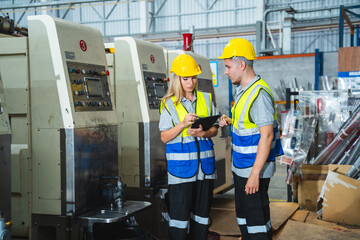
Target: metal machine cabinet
[140, 80]
[222, 145]
[14, 69]
[5, 163]
[67, 140]
[74, 125]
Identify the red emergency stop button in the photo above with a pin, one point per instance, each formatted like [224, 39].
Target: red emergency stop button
[168, 79]
[107, 73]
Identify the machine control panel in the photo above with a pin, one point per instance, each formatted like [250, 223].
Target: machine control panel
[90, 87]
[156, 88]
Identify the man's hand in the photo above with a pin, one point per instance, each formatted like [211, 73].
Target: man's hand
[252, 184]
[225, 121]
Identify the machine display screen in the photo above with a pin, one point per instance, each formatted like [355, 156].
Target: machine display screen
[159, 90]
[93, 87]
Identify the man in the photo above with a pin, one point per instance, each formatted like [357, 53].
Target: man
[255, 140]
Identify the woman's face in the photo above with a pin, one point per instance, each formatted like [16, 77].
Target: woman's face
[188, 83]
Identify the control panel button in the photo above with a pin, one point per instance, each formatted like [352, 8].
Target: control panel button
[76, 92]
[79, 103]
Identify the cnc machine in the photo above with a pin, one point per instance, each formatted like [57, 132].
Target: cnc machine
[5, 166]
[66, 129]
[140, 81]
[222, 145]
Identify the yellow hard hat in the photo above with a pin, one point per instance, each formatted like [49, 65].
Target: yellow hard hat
[185, 66]
[238, 47]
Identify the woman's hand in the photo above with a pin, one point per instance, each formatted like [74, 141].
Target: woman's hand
[196, 132]
[224, 121]
[189, 119]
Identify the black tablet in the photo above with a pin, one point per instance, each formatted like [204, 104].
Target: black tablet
[206, 122]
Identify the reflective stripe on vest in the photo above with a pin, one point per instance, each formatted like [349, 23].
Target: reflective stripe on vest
[246, 135]
[182, 151]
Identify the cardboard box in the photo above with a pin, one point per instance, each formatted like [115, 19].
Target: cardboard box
[348, 59]
[310, 185]
[340, 197]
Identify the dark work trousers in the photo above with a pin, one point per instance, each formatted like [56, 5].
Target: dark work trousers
[190, 201]
[252, 211]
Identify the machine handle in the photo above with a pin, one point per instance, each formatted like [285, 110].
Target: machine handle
[110, 177]
[9, 224]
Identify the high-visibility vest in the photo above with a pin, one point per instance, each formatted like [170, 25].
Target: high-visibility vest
[246, 134]
[184, 151]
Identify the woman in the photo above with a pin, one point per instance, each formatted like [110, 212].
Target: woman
[189, 151]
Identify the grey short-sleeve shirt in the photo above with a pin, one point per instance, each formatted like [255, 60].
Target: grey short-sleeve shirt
[166, 120]
[262, 114]
[262, 110]
[166, 123]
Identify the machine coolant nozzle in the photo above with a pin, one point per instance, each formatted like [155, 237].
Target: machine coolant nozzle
[114, 193]
[4, 228]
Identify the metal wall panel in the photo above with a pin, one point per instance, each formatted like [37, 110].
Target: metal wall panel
[212, 48]
[201, 14]
[180, 15]
[325, 40]
[117, 28]
[310, 4]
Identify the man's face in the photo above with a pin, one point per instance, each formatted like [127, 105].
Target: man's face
[233, 70]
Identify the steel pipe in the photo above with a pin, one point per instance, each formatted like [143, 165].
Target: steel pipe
[355, 169]
[350, 126]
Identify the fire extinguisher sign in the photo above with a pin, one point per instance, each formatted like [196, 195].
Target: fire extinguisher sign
[214, 73]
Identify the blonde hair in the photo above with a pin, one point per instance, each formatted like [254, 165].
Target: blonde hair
[175, 89]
